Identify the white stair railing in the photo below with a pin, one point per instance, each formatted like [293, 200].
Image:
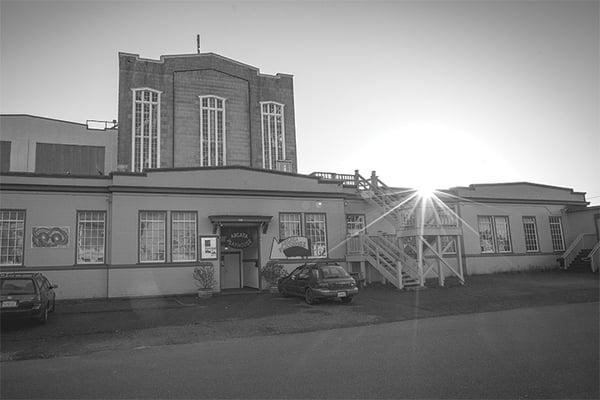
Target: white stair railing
[594, 257]
[581, 241]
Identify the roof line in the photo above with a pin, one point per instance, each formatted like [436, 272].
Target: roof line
[475, 185]
[165, 57]
[55, 120]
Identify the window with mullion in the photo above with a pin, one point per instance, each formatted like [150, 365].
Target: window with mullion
[12, 233]
[212, 131]
[273, 134]
[90, 237]
[315, 228]
[494, 234]
[183, 236]
[355, 224]
[530, 231]
[152, 233]
[290, 224]
[556, 233]
[145, 129]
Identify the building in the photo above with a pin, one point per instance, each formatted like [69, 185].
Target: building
[204, 172]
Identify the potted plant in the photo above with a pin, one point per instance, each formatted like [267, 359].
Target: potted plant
[204, 274]
[271, 272]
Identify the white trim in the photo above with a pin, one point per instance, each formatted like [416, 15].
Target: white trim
[152, 105]
[223, 147]
[278, 157]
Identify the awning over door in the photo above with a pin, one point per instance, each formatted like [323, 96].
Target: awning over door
[240, 220]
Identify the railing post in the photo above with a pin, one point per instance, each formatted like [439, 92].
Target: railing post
[400, 282]
[356, 178]
[373, 179]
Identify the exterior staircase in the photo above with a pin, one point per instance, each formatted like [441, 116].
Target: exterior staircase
[390, 261]
[581, 262]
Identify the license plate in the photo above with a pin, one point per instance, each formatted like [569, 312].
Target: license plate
[7, 304]
[341, 294]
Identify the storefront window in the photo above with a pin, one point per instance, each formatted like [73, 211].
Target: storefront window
[183, 236]
[12, 232]
[90, 237]
[152, 226]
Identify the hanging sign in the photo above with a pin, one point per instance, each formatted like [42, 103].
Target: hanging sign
[238, 240]
[293, 246]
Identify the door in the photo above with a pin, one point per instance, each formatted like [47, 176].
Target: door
[231, 270]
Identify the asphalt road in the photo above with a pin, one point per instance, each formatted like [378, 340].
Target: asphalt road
[543, 352]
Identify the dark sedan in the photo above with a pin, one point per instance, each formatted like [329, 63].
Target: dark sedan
[26, 295]
[319, 281]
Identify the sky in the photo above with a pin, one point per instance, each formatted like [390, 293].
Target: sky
[436, 94]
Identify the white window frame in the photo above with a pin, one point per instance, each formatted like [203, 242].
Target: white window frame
[174, 220]
[559, 232]
[20, 227]
[80, 215]
[213, 163]
[306, 230]
[268, 115]
[133, 115]
[164, 236]
[355, 224]
[530, 235]
[284, 219]
[494, 231]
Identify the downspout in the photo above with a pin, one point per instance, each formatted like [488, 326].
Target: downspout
[108, 240]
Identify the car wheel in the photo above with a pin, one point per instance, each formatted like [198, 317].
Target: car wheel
[309, 297]
[44, 316]
[346, 300]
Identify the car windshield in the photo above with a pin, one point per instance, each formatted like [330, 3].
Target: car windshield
[16, 286]
[333, 271]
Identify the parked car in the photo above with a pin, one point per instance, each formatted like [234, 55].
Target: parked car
[26, 295]
[319, 281]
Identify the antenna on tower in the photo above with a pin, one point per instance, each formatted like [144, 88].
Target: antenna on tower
[198, 43]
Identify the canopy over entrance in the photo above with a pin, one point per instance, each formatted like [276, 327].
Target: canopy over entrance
[240, 220]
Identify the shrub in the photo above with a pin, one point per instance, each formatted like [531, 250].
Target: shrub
[204, 275]
[272, 272]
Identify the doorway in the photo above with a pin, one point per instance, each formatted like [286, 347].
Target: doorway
[231, 270]
[240, 256]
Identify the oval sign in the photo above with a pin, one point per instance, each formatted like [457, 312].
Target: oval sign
[239, 240]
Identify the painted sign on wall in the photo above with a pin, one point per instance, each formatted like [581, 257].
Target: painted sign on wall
[208, 248]
[238, 240]
[293, 246]
[50, 236]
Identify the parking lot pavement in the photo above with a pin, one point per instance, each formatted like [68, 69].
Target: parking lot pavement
[93, 325]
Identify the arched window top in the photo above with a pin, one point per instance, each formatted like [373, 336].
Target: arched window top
[212, 102]
[146, 94]
[272, 107]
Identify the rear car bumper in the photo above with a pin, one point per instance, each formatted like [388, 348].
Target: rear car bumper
[17, 313]
[334, 293]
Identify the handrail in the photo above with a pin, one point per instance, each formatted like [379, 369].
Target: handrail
[573, 250]
[594, 257]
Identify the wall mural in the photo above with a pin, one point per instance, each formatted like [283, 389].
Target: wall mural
[291, 247]
[50, 236]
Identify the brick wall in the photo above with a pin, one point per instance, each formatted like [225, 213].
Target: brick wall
[181, 79]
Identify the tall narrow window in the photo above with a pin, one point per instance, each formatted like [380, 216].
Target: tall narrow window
[556, 232]
[152, 226]
[12, 232]
[212, 131]
[90, 237]
[273, 135]
[316, 230]
[289, 225]
[494, 234]
[530, 230]
[183, 236]
[145, 149]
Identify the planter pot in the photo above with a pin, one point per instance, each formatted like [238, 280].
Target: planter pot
[204, 293]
